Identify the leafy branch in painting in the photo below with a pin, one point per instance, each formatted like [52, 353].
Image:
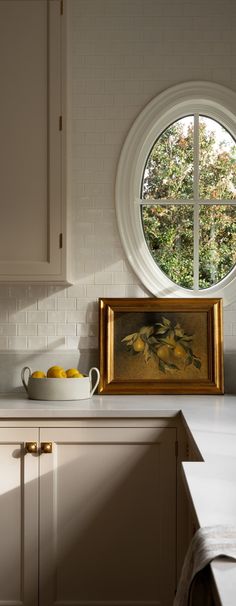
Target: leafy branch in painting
[165, 342]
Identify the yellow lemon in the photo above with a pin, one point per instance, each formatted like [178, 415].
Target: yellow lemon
[179, 351]
[38, 374]
[73, 373]
[56, 372]
[138, 344]
[164, 353]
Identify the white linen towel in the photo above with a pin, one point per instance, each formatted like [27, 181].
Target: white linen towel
[207, 544]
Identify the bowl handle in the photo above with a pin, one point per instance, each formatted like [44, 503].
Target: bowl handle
[23, 376]
[92, 389]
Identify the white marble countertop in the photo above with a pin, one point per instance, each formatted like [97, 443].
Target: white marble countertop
[212, 423]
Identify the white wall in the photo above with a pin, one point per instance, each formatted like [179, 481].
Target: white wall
[121, 53]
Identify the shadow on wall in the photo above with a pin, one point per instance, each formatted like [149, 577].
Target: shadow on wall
[230, 371]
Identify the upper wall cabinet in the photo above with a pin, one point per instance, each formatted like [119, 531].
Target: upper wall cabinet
[32, 188]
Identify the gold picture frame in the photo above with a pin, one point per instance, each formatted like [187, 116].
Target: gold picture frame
[161, 346]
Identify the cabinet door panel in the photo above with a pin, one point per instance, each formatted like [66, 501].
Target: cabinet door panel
[30, 146]
[18, 519]
[107, 517]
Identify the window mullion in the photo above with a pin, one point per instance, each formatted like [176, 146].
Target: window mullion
[196, 202]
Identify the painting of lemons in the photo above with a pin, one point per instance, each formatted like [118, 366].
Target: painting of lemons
[161, 346]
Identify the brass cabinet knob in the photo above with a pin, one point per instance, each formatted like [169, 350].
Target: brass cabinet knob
[31, 447]
[46, 447]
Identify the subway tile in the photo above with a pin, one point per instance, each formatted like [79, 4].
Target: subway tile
[66, 329]
[4, 316]
[37, 343]
[76, 316]
[27, 330]
[36, 317]
[26, 305]
[56, 342]
[46, 330]
[65, 304]
[72, 342]
[8, 330]
[17, 343]
[47, 304]
[8, 305]
[76, 291]
[20, 317]
[3, 343]
[88, 343]
[56, 316]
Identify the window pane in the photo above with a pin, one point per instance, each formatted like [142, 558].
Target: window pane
[168, 232]
[168, 173]
[217, 246]
[217, 161]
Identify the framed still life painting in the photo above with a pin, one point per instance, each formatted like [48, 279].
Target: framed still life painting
[161, 346]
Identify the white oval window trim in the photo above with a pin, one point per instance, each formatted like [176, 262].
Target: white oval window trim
[213, 100]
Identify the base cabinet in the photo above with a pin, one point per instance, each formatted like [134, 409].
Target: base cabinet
[100, 510]
[18, 518]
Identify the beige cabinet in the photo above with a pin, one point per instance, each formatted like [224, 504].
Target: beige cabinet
[32, 227]
[106, 519]
[18, 518]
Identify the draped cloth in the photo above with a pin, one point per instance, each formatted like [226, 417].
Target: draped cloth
[208, 543]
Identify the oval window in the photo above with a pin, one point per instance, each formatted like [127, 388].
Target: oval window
[176, 193]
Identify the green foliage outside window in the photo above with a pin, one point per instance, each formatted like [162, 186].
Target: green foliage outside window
[169, 229]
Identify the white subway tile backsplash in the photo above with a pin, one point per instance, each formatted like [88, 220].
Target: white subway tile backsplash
[17, 342]
[66, 330]
[103, 277]
[72, 342]
[76, 316]
[8, 330]
[87, 330]
[4, 316]
[94, 292]
[37, 343]
[3, 343]
[114, 291]
[34, 317]
[47, 304]
[56, 343]
[25, 330]
[65, 304]
[4, 292]
[56, 316]
[26, 305]
[77, 291]
[20, 317]
[8, 305]
[46, 330]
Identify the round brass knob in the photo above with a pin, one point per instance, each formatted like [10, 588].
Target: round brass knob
[31, 447]
[46, 447]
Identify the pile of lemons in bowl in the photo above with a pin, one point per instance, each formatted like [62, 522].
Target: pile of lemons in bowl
[57, 372]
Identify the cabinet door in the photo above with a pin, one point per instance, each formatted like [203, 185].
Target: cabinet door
[30, 144]
[107, 517]
[18, 518]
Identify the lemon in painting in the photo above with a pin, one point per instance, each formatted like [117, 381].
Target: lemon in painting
[73, 373]
[38, 374]
[179, 351]
[138, 344]
[56, 372]
[164, 353]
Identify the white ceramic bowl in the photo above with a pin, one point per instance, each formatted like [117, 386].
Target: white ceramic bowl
[59, 389]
